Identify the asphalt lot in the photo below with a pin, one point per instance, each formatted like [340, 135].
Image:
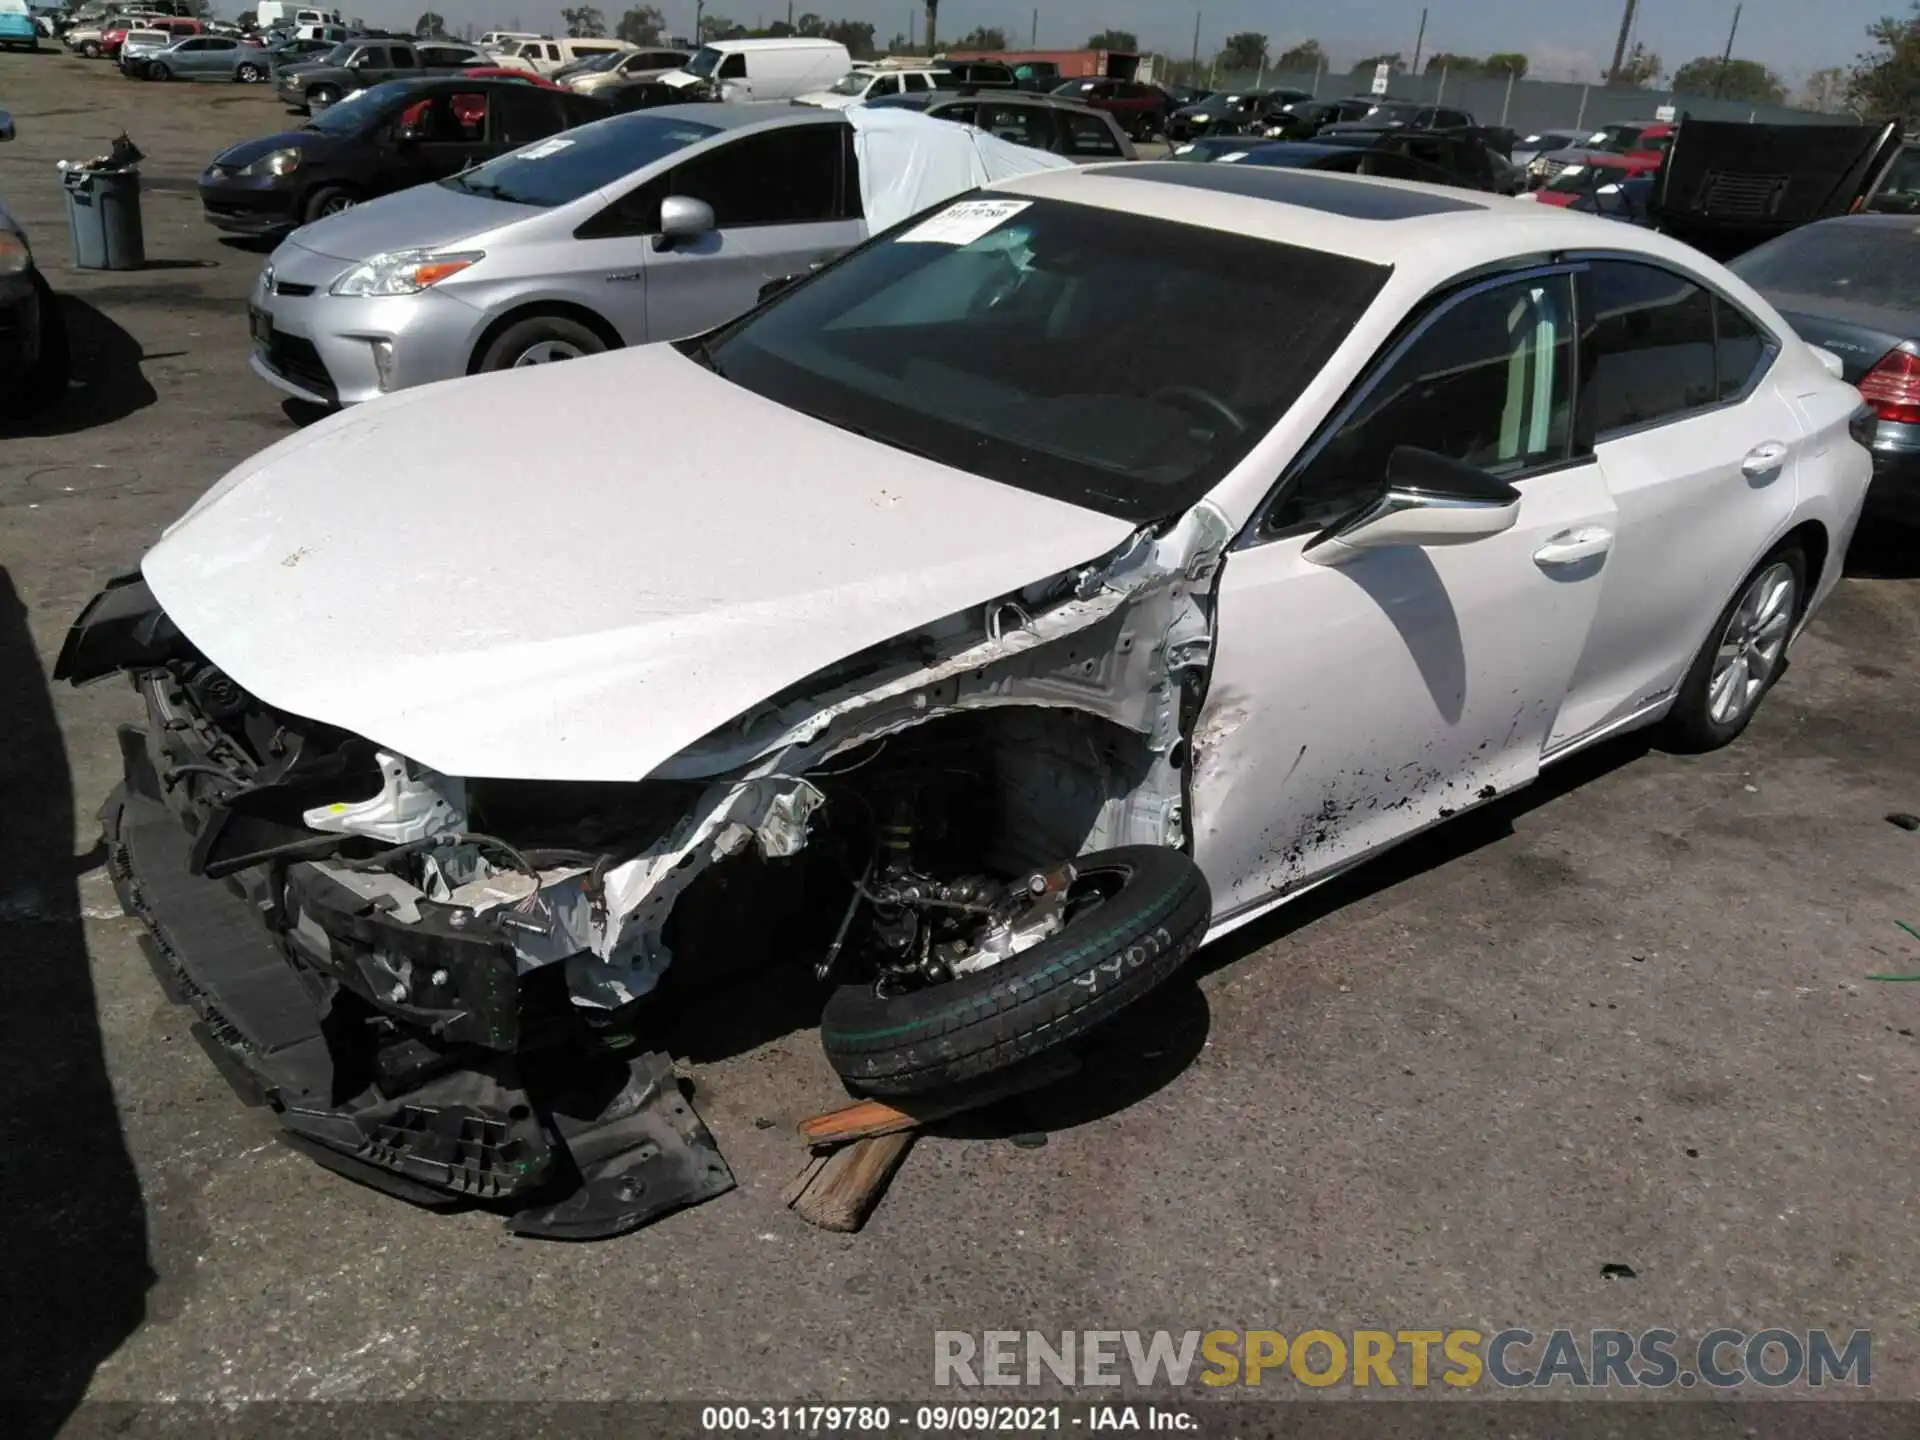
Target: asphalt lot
[1624, 1021]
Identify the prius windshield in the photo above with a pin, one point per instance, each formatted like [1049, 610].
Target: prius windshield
[562, 168]
[1113, 361]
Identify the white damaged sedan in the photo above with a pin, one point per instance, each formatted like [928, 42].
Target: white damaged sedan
[1060, 579]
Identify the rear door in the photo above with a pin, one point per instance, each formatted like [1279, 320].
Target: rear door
[783, 201]
[1699, 452]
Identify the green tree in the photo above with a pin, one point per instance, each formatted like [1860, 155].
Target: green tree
[1367, 64]
[810, 25]
[981, 37]
[1113, 40]
[431, 23]
[643, 25]
[1244, 51]
[857, 36]
[1744, 80]
[1825, 92]
[583, 22]
[1641, 67]
[1885, 82]
[1300, 59]
[1504, 63]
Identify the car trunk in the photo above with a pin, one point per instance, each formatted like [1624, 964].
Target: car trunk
[1726, 186]
[1859, 334]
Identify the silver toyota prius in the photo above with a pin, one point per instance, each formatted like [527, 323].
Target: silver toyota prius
[647, 226]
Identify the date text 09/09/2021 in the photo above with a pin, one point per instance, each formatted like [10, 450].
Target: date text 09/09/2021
[939, 1419]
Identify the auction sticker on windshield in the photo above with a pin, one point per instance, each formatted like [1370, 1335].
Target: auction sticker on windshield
[545, 148]
[965, 222]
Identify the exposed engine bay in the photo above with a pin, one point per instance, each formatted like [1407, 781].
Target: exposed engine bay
[470, 948]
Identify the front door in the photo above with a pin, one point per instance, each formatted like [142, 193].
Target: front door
[1353, 704]
[783, 202]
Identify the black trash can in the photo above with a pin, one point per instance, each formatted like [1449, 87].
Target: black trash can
[103, 214]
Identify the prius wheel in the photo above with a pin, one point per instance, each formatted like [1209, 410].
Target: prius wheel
[541, 340]
[249, 75]
[1743, 656]
[329, 200]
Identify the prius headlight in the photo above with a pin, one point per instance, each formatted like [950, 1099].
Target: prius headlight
[279, 162]
[403, 272]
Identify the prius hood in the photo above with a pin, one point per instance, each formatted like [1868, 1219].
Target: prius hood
[581, 600]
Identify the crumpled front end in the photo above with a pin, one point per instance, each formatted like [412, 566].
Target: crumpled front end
[440, 984]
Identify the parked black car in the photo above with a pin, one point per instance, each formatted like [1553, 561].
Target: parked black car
[1434, 158]
[1408, 115]
[1849, 285]
[357, 64]
[645, 94]
[1304, 119]
[974, 75]
[1232, 112]
[33, 338]
[396, 135]
[1041, 122]
[1039, 76]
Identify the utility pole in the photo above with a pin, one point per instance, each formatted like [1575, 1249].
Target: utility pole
[1193, 66]
[933, 25]
[1419, 42]
[1620, 45]
[1033, 35]
[699, 7]
[789, 17]
[1720, 79]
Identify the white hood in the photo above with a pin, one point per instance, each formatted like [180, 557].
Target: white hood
[583, 599]
[909, 161]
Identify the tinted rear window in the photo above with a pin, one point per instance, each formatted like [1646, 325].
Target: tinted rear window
[1872, 263]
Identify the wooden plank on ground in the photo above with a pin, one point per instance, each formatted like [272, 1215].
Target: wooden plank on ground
[865, 1119]
[840, 1189]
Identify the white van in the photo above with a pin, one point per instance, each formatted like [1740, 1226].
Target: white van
[765, 69]
[269, 13]
[543, 57]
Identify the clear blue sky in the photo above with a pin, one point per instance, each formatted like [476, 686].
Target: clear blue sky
[1794, 37]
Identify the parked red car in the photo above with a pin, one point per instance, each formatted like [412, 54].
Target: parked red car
[501, 72]
[1585, 175]
[1141, 110]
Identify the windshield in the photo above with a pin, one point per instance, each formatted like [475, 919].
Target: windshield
[1219, 104]
[1113, 361]
[562, 168]
[1869, 263]
[854, 82]
[705, 62]
[338, 55]
[350, 115]
[1578, 179]
[1402, 114]
[1617, 138]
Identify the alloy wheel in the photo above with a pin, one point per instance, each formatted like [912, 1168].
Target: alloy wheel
[545, 352]
[1755, 639]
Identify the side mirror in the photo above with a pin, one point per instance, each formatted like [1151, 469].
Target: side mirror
[1428, 499]
[682, 218]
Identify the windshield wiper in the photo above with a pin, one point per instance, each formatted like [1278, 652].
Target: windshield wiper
[866, 434]
[491, 189]
[701, 355]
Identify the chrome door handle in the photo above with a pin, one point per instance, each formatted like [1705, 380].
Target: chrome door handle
[1570, 547]
[1763, 459]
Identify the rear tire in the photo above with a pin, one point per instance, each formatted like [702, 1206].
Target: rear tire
[1743, 655]
[540, 340]
[249, 75]
[1033, 1001]
[90, 49]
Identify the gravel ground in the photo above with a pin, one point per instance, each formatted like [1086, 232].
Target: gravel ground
[1624, 1020]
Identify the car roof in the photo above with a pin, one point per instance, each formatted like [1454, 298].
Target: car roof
[791, 42]
[722, 116]
[1020, 97]
[1363, 217]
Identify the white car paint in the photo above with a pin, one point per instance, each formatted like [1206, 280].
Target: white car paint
[478, 622]
[696, 583]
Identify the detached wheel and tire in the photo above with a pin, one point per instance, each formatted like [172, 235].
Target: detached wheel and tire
[540, 340]
[1133, 916]
[1743, 655]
